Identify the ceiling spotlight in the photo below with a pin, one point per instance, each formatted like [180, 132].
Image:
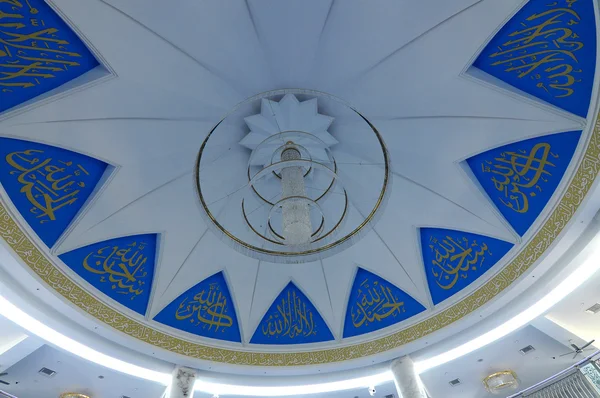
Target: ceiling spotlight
[372, 391]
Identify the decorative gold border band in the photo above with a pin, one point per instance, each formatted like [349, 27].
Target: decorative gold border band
[579, 186]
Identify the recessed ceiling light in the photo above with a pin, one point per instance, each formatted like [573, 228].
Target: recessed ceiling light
[593, 309]
[47, 372]
[526, 350]
[454, 382]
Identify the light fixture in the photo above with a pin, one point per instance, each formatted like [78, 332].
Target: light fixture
[292, 202]
[297, 227]
[454, 383]
[305, 389]
[73, 395]
[527, 350]
[499, 382]
[11, 312]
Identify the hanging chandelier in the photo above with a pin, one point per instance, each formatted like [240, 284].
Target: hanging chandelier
[500, 382]
[286, 190]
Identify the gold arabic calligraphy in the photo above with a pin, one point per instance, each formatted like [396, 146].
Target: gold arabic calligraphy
[454, 259]
[379, 304]
[292, 319]
[207, 308]
[26, 58]
[518, 175]
[124, 266]
[544, 50]
[48, 184]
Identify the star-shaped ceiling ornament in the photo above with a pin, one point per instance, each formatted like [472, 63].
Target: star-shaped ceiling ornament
[287, 115]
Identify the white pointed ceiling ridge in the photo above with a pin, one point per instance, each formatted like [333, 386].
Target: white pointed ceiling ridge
[339, 277]
[373, 254]
[308, 277]
[133, 218]
[208, 257]
[107, 204]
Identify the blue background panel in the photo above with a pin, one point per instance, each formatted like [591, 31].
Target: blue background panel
[122, 268]
[520, 178]
[48, 185]
[38, 52]
[206, 310]
[548, 50]
[291, 319]
[455, 259]
[375, 303]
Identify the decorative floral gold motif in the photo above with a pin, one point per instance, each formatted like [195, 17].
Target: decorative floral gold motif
[580, 185]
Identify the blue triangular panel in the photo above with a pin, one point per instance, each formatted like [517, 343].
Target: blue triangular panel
[121, 268]
[48, 185]
[548, 50]
[454, 259]
[520, 178]
[375, 303]
[38, 52]
[206, 310]
[291, 319]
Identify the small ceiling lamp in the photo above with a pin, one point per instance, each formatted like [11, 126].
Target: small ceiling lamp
[500, 382]
[73, 395]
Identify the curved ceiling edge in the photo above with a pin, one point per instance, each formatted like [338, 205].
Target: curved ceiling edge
[583, 179]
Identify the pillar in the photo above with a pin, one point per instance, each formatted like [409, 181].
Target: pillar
[407, 380]
[182, 385]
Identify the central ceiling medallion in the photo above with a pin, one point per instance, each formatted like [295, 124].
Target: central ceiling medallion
[280, 178]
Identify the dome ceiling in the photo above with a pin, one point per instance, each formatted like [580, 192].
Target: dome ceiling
[458, 131]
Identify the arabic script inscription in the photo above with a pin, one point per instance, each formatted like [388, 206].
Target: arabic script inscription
[122, 266]
[49, 184]
[544, 49]
[455, 258]
[374, 303]
[292, 319]
[519, 175]
[31, 50]
[208, 309]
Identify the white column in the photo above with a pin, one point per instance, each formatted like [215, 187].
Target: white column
[182, 385]
[407, 380]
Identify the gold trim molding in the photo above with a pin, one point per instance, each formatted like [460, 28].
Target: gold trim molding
[487, 379]
[574, 195]
[73, 395]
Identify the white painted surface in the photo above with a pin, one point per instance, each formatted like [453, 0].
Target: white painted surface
[182, 385]
[73, 375]
[429, 117]
[406, 379]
